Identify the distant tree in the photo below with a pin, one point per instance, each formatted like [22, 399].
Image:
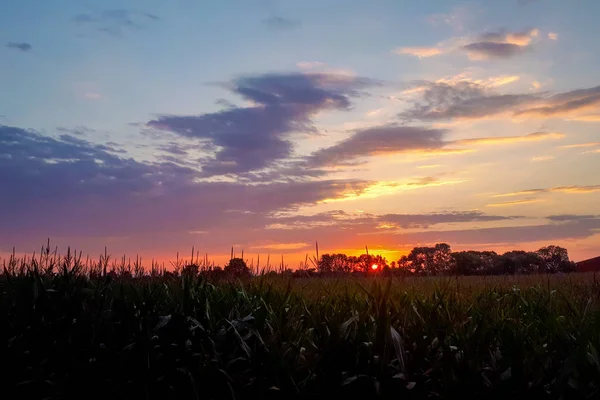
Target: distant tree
[237, 267]
[556, 259]
[475, 262]
[519, 262]
[428, 260]
[337, 263]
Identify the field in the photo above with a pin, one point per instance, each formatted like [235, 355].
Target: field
[72, 332]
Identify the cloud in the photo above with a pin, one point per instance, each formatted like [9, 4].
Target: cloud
[21, 46]
[311, 65]
[532, 137]
[571, 217]
[557, 189]
[579, 145]
[116, 22]
[564, 104]
[420, 52]
[542, 158]
[253, 138]
[364, 222]
[515, 202]
[385, 188]
[283, 246]
[487, 46]
[552, 36]
[281, 23]
[493, 50]
[469, 100]
[388, 139]
[68, 186]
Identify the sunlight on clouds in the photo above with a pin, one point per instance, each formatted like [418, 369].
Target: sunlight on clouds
[429, 166]
[283, 246]
[515, 203]
[419, 52]
[388, 188]
[532, 137]
[558, 189]
[579, 145]
[552, 36]
[542, 158]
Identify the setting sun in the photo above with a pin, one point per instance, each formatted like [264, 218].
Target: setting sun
[374, 267]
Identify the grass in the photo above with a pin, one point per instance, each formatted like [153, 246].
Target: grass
[71, 330]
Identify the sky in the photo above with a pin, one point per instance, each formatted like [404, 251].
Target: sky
[152, 127]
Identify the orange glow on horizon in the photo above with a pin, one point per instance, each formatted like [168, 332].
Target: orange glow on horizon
[374, 267]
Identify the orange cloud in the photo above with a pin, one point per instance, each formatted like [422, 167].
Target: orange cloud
[532, 137]
[420, 52]
[542, 158]
[558, 189]
[579, 145]
[515, 202]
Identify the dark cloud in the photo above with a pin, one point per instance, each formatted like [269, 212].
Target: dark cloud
[281, 23]
[463, 99]
[379, 140]
[468, 100]
[567, 104]
[571, 217]
[509, 235]
[339, 219]
[77, 131]
[21, 46]
[116, 21]
[252, 138]
[174, 149]
[493, 50]
[69, 186]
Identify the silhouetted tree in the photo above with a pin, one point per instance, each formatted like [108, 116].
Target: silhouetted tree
[475, 262]
[556, 259]
[428, 260]
[237, 267]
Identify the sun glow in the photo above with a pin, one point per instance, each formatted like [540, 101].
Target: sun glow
[374, 267]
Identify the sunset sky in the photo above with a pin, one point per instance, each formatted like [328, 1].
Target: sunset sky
[153, 126]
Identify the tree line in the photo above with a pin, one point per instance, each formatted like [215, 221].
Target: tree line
[421, 261]
[441, 260]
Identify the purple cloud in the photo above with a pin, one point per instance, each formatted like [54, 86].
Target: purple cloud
[69, 186]
[255, 137]
[493, 50]
[379, 140]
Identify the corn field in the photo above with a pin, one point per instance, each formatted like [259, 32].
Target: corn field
[70, 330]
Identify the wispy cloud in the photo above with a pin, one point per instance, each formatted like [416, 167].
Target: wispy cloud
[469, 100]
[281, 23]
[579, 145]
[420, 52]
[387, 139]
[115, 22]
[542, 158]
[385, 188]
[558, 189]
[21, 46]
[252, 138]
[487, 46]
[552, 36]
[515, 202]
[532, 137]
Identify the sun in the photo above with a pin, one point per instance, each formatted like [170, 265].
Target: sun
[374, 267]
